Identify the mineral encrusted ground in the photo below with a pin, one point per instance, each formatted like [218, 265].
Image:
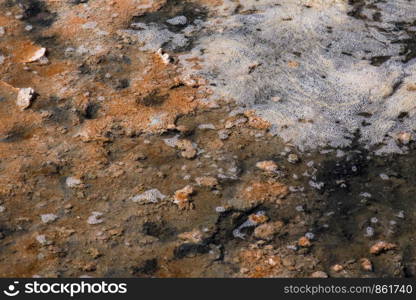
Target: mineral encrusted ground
[165, 138]
[318, 71]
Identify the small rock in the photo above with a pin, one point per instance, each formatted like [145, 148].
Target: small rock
[149, 196]
[276, 99]
[337, 268]
[206, 126]
[366, 264]
[404, 137]
[223, 134]
[36, 55]
[299, 208]
[365, 195]
[384, 176]
[220, 209]
[41, 238]
[73, 182]
[164, 56]
[304, 242]
[258, 218]
[194, 236]
[319, 274]
[316, 185]
[2, 31]
[182, 197]
[207, 181]
[179, 20]
[252, 220]
[235, 122]
[267, 165]
[293, 158]
[95, 218]
[369, 231]
[48, 218]
[400, 214]
[187, 147]
[171, 142]
[25, 97]
[382, 246]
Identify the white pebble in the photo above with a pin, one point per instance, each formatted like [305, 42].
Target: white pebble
[299, 208]
[25, 97]
[41, 238]
[95, 218]
[149, 196]
[369, 231]
[310, 235]
[400, 214]
[179, 20]
[220, 209]
[48, 218]
[73, 182]
[384, 176]
[206, 126]
[365, 195]
[316, 185]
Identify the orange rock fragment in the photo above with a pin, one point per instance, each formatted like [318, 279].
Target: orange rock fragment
[182, 197]
[382, 246]
[304, 242]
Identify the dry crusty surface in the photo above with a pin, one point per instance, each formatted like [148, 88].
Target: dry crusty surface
[123, 166]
